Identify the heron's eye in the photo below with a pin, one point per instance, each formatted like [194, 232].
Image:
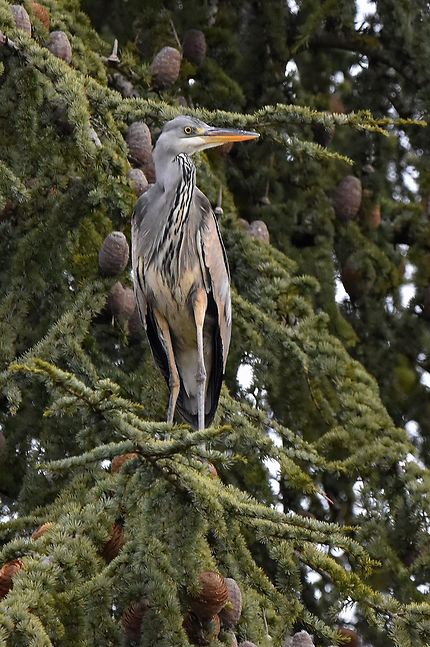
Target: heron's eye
[188, 130]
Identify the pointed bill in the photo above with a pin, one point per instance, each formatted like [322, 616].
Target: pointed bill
[223, 135]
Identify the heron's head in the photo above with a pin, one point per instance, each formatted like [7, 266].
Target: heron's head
[189, 135]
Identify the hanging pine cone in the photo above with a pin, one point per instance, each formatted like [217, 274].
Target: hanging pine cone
[347, 198]
[355, 279]
[302, 639]
[194, 46]
[59, 45]
[121, 301]
[21, 18]
[231, 612]
[135, 326]
[132, 618]
[138, 181]
[258, 229]
[201, 631]
[41, 530]
[119, 461]
[115, 543]
[323, 135]
[139, 143]
[113, 254]
[165, 67]
[42, 14]
[212, 597]
[7, 573]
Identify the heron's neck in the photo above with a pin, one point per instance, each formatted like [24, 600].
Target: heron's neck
[182, 181]
[172, 172]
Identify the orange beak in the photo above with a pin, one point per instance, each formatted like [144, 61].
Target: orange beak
[221, 135]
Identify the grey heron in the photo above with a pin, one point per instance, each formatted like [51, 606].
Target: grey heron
[180, 272]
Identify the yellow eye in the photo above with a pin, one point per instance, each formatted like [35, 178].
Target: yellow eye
[188, 130]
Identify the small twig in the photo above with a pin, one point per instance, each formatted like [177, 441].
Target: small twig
[175, 34]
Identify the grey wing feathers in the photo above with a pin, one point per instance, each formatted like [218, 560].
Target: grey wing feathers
[216, 267]
[140, 250]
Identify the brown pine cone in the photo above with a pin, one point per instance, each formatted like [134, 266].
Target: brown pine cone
[347, 198]
[42, 14]
[21, 17]
[113, 546]
[7, 573]
[119, 461]
[59, 45]
[113, 254]
[232, 610]
[132, 619]
[194, 46]
[212, 596]
[165, 67]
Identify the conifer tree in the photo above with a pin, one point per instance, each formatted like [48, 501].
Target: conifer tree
[310, 495]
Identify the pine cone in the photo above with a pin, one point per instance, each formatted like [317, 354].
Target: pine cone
[302, 639]
[59, 45]
[113, 254]
[231, 612]
[135, 326]
[7, 573]
[165, 67]
[41, 530]
[194, 46]
[353, 278]
[138, 181]
[201, 631]
[139, 143]
[119, 461]
[347, 198]
[21, 17]
[113, 546]
[42, 14]
[212, 597]
[323, 135]
[121, 301]
[258, 229]
[132, 619]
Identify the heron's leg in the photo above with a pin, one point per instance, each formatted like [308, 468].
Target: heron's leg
[199, 307]
[174, 381]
